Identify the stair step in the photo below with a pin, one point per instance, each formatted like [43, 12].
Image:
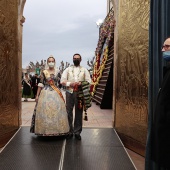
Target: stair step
[97, 92]
[96, 100]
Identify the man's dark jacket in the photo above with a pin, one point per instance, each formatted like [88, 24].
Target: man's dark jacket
[160, 141]
[35, 81]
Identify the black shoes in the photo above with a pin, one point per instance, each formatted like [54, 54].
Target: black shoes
[77, 136]
[69, 136]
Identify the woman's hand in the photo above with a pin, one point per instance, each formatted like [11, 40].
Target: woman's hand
[36, 99]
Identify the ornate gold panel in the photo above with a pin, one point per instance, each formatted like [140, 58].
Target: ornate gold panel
[132, 73]
[9, 77]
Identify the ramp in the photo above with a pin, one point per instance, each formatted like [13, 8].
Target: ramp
[99, 149]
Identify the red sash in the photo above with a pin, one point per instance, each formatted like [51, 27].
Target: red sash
[51, 83]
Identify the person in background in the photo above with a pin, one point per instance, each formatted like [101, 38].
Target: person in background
[72, 78]
[50, 115]
[59, 83]
[34, 84]
[26, 83]
[160, 130]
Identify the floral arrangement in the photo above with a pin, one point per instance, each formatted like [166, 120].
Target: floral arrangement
[105, 37]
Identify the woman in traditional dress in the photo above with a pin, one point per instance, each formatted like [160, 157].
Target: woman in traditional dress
[50, 115]
[26, 83]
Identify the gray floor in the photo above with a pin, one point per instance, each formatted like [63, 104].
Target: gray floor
[99, 149]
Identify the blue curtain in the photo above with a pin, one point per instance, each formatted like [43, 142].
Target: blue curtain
[159, 30]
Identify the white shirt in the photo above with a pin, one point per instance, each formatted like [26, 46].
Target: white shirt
[75, 74]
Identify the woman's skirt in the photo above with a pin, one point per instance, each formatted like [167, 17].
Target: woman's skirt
[27, 91]
[50, 116]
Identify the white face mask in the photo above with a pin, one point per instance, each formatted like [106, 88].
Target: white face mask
[51, 64]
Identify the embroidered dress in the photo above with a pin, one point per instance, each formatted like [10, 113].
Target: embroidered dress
[50, 115]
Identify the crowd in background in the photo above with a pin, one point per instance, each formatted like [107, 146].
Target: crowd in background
[30, 85]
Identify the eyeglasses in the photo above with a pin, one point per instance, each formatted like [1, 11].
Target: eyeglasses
[165, 46]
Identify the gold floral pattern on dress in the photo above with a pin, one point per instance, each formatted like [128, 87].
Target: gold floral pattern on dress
[50, 115]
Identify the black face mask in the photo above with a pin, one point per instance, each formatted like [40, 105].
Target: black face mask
[76, 62]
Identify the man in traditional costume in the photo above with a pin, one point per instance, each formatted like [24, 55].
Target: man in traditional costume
[74, 77]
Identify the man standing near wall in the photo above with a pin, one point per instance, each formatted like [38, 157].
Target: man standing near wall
[160, 140]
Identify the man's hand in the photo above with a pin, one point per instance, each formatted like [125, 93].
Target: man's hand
[63, 83]
[72, 85]
[75, 84]
[79, 83]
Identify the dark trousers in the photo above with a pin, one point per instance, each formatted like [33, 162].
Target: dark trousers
[71, 101]
[35, 88]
